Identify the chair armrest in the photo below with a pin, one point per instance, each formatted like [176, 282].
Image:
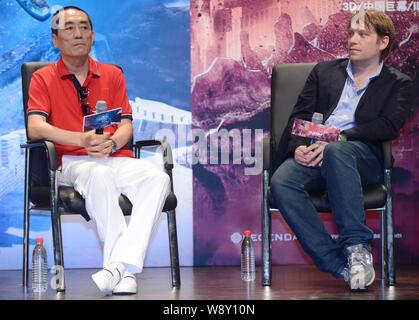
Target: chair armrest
[266, 153]
[49, 148]
[164, 146]
[147, 143]
[387, 155]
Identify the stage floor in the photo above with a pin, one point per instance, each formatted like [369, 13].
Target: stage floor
[223, 283]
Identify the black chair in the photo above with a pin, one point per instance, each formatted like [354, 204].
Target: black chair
[42, 193]
[286, 84]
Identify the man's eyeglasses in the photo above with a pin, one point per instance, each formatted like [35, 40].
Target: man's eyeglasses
[70, 30]
[83, 93]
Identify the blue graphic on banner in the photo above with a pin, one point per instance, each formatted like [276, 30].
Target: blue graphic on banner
[38, 9]
[149, 39]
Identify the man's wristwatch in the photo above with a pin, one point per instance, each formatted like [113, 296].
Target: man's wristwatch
[114, 146]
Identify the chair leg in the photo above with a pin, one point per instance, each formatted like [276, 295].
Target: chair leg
[391, 272]
[26, 220]
[389, 234]
[266, 234]
[25, 268]
[58, 251]
[383, 249]
[174, 252]
[57, 237]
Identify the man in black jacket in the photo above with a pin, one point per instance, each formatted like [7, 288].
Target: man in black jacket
[369, 102]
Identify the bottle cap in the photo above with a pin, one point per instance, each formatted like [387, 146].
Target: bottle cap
[247, 233]
[39, 240]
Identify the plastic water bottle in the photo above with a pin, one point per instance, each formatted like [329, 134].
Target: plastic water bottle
[248, 271]
[39, 267]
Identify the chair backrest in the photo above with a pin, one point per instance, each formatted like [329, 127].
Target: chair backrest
[27, 70]
[286, 84]
[38, 168]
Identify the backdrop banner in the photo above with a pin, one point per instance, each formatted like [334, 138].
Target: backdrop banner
[234, 46]
[144, 38]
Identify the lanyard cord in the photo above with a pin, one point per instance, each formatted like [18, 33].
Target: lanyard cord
[77, 84]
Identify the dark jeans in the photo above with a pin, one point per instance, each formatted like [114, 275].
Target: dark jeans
[346, 167]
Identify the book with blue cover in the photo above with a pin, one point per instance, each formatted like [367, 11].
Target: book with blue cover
[102, 119]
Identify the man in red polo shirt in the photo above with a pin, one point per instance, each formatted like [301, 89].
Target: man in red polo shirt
[99, 166]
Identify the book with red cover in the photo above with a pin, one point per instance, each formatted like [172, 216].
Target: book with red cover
[320, 132]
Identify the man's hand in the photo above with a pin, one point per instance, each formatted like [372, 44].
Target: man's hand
[302, 153]
[97, 145]
[310, 156]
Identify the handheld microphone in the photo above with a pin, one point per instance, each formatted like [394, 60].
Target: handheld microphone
[317, 118]
[100, 107]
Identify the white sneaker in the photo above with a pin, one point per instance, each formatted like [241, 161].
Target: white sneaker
[361, 272]
[107, 278]
[128, 285]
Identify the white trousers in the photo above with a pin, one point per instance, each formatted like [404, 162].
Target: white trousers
[100, 182]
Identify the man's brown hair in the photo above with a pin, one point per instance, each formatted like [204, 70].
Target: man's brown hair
[379, 22]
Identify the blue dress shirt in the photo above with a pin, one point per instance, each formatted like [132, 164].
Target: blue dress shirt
[343, 117]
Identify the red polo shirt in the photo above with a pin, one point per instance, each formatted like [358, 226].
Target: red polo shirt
[53, 95]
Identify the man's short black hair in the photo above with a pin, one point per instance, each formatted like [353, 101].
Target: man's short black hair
[55, 31]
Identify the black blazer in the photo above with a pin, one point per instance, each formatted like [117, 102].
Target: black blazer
[379, 116]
